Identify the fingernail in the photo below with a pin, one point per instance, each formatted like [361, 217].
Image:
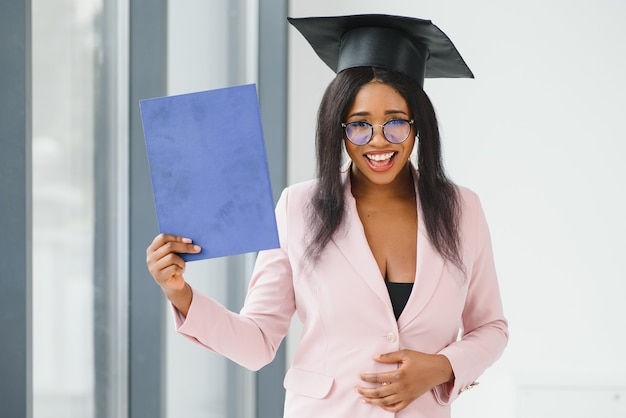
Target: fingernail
[187, 240]
[196, 248]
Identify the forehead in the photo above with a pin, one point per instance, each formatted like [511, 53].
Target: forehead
[375, 97]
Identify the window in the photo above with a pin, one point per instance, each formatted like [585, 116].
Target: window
[77, 189]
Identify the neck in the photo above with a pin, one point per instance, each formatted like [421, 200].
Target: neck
[402, 185]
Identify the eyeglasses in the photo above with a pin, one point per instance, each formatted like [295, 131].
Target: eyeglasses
[395, 131]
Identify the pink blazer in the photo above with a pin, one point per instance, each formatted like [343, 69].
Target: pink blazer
[347, 315]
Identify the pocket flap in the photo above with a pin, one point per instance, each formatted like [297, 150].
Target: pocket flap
[309, 384]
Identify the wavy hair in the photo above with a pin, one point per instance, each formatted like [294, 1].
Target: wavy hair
[438, 195]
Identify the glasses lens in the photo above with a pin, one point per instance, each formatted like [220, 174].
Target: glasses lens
[359, 133]
[397, 131]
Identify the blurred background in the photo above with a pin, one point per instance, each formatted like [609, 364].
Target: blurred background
[537, 134]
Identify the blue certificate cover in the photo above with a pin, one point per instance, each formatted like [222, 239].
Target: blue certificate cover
[209, 170]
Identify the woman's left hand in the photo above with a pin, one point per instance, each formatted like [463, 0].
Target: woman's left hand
[417, 373]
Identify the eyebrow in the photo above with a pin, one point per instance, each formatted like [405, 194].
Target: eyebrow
[387, 112]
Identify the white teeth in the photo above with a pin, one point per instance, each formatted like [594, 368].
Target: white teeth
[380, 157]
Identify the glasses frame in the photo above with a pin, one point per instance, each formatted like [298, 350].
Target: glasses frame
[345, 125]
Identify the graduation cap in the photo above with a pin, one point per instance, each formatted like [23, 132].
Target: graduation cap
[415, 47]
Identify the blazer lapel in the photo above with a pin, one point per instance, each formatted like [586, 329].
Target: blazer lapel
[429, 267]
[350, 240]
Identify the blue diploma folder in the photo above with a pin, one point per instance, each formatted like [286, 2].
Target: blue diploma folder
[209, 170]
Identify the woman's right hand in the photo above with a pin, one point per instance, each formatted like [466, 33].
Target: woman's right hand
[167, 267]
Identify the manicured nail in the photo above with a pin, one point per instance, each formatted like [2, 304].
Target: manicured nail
[196, 248]
[187, 240]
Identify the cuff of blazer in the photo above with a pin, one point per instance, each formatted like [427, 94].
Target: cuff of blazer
[448, 392]
[464, 376]
[191, 326]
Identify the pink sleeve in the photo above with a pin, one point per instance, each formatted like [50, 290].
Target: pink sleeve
[485, 329]
[251, 337]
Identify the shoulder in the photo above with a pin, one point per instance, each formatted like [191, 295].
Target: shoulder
[470, 203]
[292, 208]
[297, 194]
[303, 189]
[467, 195]
[473, 222]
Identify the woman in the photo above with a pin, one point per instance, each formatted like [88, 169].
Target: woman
[390, 272]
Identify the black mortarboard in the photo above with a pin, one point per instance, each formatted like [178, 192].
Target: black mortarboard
[415, 47]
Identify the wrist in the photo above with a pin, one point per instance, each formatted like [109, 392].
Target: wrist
[445, 369]
[180, 298]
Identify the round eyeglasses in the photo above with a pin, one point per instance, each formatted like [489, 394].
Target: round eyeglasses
[395, 131]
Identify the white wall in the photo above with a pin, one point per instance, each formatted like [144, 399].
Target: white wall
[539, 135]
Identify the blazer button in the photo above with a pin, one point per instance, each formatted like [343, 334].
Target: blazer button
[391, 337]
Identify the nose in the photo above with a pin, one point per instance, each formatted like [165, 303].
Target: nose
[378, 135]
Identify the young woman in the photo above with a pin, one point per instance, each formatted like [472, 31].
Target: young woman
[390, 270]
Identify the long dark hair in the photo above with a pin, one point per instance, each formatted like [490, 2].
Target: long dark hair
[438, 195]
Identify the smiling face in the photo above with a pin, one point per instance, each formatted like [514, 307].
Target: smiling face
[379, 162]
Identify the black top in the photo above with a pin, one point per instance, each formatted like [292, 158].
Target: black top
[399, 294]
